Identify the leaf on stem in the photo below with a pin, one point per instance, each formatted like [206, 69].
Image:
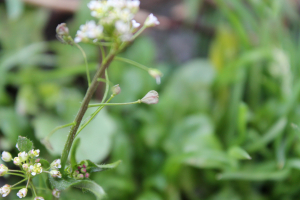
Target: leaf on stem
[24, 144]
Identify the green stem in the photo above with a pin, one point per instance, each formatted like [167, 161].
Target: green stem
[138, 33]
[93, 116]
[10, 170]
[83, 108]
[86, 63]
[143, 67]
[16, 174]
[114, 104]
[57, 128]
[19, 182]
[33, 189]
[106, 86]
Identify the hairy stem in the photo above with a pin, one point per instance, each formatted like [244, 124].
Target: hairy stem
[83, 108]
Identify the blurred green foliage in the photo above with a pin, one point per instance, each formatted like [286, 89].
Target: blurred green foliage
[226, 126]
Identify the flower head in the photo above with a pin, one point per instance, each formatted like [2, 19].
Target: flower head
[34, 153]
[62, 29]
[36, 169]
[17, 161]
[151, 21]
[150, 98]
[56, 164]
[5, 190]
[56, 193]
[89, 31]
[55, 173]
[3, 170]
[22, 193]
[6, 156]
[23, 156]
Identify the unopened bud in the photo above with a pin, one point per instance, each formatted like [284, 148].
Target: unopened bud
[56, 193]
[79, 176]
[62, 29]
[150, 98]
[116, 90]
[155, 73]
[83, 170]
[87, 175]
[3, 170]
[39, 198]
[6, 156]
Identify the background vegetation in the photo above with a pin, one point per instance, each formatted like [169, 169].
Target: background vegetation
[230, 92]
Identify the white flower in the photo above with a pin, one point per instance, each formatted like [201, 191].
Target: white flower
[150, 98]
[123, 29]
[56, 164]
[34, 153]
[135, 24]
[23, 156]
[55, 174]
[17, 161]
[56, 193]
[39, 198]
[3, 170]
[89, 31]
[22, 193]
[151, 21]
[35, 169]
[5, 190]
[6, 156]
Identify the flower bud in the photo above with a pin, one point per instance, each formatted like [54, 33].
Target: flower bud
[55, 174]
[150, 98]
[6, 156]
[3, 170]
[25, 167]
[56, 193]
[23, 156]
[5, 190]
[22, 193]
[83, 170]
[79, 176]
[151, 21]
[62, 29]
[37, 160]
[155, 73]
[116, 90]
[87, 175]
[39, 198]
[17, 161]
[56, 164]
[34, 153]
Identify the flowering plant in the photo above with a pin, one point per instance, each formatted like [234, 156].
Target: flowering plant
[113, 29]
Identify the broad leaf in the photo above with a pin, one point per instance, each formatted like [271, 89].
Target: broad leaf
[91, 186]
[24, 144]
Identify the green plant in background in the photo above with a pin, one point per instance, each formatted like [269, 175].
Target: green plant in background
[113, 30]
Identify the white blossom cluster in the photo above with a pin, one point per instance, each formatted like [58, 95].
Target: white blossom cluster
[30, 166]
[114, 18]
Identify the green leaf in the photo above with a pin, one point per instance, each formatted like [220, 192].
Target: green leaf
[62, 184]
[45, 163]
[99, 168]
[73, 152]
[24, 144]
[238, 153]
[91, 186]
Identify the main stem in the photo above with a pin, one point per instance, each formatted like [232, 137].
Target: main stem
[82, 110]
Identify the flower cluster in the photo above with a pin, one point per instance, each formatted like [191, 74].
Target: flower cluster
[30, 166]
[114, 19]
[81, 172]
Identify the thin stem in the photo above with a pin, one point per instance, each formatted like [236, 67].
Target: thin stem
[114, 104]
[86, 63]
[138, 33]
[106, 86]
[57, 128]
[19, 182]
[93, 116]
[143, 67]
[28, 182]
[83, 108]
[16, 174]
[11, 170]
[33, 189]
[102, 52]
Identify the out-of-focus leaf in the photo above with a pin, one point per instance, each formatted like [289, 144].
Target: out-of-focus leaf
[238, 153]
[14, 8]
[24, 144]
[149, 195]
[62, 184]
[88, 185]
[45, 164]
[27, 101]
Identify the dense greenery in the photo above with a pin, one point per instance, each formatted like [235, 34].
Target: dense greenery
[226, 126]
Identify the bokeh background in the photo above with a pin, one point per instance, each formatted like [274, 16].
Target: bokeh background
[226, 126]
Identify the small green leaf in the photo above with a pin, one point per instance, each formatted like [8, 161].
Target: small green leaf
[62, 184]
[24, 144]
[238, 153]
[45, 163]
[73, 153]
[91, 186]
[99, 168]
